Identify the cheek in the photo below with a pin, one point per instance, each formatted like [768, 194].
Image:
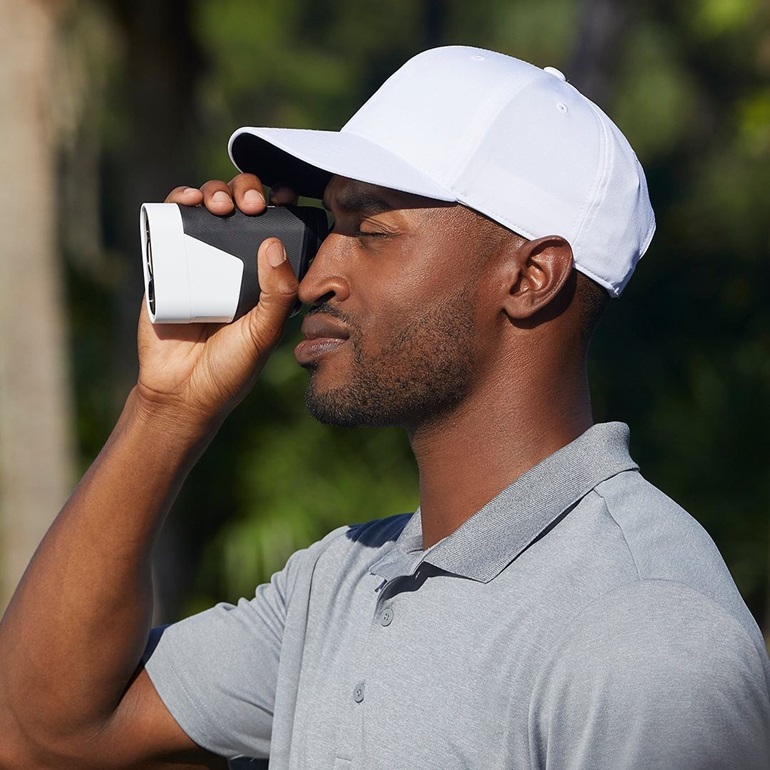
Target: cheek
[419, 283]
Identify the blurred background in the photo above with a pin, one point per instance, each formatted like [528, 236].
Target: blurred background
[104, 105]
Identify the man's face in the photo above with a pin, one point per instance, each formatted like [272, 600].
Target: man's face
[391, 336]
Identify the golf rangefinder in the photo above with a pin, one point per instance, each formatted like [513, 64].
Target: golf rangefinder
[200, 267]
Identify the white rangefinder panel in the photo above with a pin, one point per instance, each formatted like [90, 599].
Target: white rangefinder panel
[186, 280]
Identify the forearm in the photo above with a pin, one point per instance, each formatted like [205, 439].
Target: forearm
[77, 625]
[72, 638]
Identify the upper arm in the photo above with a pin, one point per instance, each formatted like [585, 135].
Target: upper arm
[217, 671]
[143, 734]
[140, 735]
[206, 691]
[653, 676]
[210, 680]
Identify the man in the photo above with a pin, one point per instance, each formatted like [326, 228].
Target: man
[546, 607]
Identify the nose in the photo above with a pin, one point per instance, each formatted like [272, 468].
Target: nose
[326, 277]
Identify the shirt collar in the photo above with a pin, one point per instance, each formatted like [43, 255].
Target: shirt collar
[494, 536]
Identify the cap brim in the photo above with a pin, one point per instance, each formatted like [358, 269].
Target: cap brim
[306, 160]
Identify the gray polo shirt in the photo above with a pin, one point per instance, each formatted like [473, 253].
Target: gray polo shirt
[581, 619]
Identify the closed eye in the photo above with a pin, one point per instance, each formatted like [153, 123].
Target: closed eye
[334, 228]
[368, 234]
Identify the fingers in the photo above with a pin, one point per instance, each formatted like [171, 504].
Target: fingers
[278, 293]
[243, 191]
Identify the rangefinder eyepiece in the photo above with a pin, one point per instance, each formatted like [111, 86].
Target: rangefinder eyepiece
[200, 267]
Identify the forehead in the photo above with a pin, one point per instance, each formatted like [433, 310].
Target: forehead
[352, 197]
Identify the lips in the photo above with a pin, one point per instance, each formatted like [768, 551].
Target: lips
[323, 335]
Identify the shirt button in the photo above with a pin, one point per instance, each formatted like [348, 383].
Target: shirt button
[386, 616]
[358, 693]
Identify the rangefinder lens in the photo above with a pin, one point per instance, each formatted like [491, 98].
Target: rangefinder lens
[150, 276]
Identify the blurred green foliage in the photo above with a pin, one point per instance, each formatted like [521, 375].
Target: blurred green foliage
[684, 357]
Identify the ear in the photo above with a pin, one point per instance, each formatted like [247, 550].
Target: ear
[539, 270]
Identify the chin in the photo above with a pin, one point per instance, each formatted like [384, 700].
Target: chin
[342, 405]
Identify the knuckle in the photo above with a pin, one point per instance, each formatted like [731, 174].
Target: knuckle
[175, 193]
[214, 185]
[245, 178]
[283, 287]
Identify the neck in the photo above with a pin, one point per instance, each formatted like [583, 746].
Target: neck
[507, 427]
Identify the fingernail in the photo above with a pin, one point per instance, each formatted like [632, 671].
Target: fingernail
[188, 190]
[254, 197]
[220, 196]
[275, 254]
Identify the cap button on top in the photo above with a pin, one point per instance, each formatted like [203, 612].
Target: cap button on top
[556, 73]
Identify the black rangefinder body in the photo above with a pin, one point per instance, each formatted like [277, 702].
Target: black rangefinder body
[200, 267]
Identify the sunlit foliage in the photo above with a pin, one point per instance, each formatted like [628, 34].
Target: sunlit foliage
[684, 356]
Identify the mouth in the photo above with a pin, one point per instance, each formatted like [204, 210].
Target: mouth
[323, 334]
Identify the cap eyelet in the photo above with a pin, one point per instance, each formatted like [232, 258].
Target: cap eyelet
[562, 107]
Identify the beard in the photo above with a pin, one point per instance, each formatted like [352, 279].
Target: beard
[423, 371]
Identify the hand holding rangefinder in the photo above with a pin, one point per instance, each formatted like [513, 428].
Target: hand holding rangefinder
[202, 268]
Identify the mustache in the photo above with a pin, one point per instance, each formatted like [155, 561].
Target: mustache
[333, 312]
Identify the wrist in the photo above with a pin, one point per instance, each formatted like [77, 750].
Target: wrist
[170, 423]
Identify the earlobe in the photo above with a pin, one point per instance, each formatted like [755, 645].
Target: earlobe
[540, 269]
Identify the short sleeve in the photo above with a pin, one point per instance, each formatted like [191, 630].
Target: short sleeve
[654, 676]
[217, 671]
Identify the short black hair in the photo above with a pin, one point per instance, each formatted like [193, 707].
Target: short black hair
[592, 302]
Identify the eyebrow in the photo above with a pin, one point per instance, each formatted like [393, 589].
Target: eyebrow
[357, 200]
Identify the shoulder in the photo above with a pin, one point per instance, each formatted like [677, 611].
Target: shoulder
[664, 617]
[631, 490]
[667, 544]
[342, 549]
[367, 536]
[656, 668]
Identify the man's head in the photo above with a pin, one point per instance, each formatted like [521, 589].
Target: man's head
[461, 192]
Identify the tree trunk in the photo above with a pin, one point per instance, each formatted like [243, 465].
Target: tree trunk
[163, 66]
[36, 465]
[602, 27]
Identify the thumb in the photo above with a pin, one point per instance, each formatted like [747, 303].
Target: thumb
[278, 293]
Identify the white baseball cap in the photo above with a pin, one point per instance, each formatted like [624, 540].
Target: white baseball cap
[510, 140]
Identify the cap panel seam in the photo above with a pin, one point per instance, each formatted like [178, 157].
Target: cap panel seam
[503, 219]
[503, 95]
[588, 212]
